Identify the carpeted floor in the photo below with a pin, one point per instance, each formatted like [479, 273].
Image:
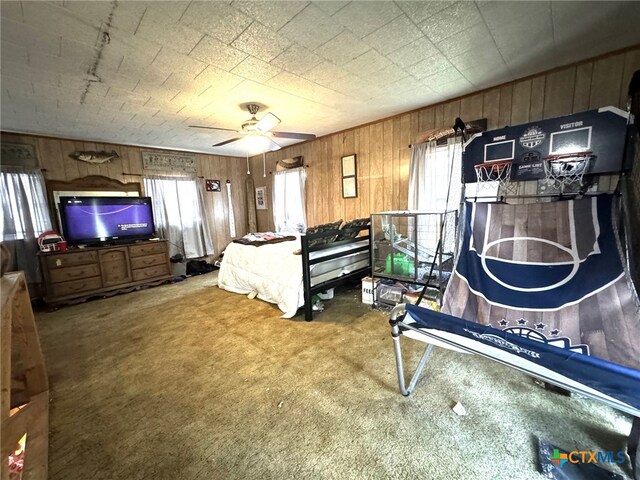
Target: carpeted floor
[187, 381]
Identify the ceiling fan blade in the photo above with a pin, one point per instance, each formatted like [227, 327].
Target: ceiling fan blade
[297, 136]
[274, 146]
[267, 122]
[227, 141]
[213, 128]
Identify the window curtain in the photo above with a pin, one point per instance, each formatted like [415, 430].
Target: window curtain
[25, 216]
[435, 185]
[432, 169]
[289, 212]
[207, 220]
[179, 215]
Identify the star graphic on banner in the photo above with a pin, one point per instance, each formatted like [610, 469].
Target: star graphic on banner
[503, 323]
[522, 321]
[540, 326]
[555, 332]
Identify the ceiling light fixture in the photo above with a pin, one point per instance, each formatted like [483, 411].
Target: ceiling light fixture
[256, 143]
[258, 128]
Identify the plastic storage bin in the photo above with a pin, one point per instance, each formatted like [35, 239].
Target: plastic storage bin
[389, 294]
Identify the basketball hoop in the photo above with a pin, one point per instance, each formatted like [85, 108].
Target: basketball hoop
[498, 171]
[567, 168]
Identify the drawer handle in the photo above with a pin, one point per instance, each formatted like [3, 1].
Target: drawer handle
[79, 274]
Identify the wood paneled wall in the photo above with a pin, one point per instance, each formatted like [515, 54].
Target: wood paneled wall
[382, 147]
[53, 156]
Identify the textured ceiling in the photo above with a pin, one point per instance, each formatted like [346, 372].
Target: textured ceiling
[140, 72]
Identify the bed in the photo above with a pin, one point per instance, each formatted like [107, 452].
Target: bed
[290, 273]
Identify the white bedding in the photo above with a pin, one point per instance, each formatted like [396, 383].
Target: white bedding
[275, 272]
[271, 270]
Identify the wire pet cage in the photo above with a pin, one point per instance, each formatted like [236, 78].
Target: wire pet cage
[405, 246]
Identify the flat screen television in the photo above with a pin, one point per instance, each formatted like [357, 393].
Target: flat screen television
[100, 220]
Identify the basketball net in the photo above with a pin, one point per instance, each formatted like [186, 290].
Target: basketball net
[567, 169]
[489, 172]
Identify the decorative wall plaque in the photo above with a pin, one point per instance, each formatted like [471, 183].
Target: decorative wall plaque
[213, 185]
[261, 200]
[18, 154]
[168, 161]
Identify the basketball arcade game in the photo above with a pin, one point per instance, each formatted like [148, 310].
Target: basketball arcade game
[542, 287]
[559, 153]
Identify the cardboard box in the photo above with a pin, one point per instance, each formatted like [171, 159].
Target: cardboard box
[368, 290]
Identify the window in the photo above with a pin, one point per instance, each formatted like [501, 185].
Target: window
[443, 173]
[25, 216]
[289, 213]
[25, 213]
[434, 177]
[435, 186]
[178, 214]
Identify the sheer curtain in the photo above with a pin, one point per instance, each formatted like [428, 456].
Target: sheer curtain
[25, 215]
[289, 212]
[178, 211]
[435, 184]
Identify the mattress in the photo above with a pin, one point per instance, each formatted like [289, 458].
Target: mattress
[338, 249]
[338, 263]
[355, 262]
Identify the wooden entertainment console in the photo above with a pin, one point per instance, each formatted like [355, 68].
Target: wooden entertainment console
[75, 275]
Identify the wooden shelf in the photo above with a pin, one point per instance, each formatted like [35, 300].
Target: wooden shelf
[25, 407]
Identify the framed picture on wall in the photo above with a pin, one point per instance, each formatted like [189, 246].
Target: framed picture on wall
[213, 185]
[18, 154]
[261, 198]
[349, 177]
[349, 187]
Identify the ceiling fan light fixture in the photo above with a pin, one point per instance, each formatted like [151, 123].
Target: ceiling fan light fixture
[255, 135]
[256, 143]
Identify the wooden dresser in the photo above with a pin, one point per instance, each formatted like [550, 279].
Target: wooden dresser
[75, 275]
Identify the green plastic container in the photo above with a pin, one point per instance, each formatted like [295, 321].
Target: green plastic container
[399, 264]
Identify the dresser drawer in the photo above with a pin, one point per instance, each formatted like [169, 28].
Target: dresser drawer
[70, 259]
[115, 273]
[58, 275]
[148, 261]
[116, 255]
[76, 287]
[150, 272]
[147, 249]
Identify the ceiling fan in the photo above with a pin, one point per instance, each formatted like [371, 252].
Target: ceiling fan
[259, 129]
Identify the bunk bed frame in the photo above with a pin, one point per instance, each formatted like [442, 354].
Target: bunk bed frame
[308, 262]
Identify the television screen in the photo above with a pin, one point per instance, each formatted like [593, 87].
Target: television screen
[106, 219]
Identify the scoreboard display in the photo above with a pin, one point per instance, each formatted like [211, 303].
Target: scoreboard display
[602, 132]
